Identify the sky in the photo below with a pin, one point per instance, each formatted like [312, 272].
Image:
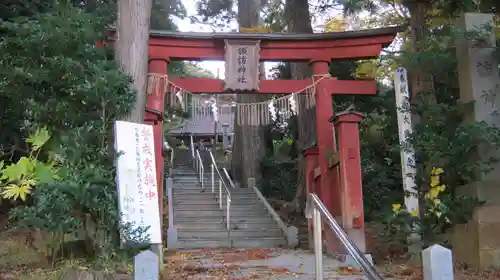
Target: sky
[217, 67]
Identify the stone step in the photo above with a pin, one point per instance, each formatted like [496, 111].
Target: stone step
[187, 188]
[185, 173]
[179, 198]
[192, 199]
[244, 200]
[194, 203]
[199, 219]
[234, 208]
[238, 215]
[262, 224]
[196, 183]
[209, 234]
[259, 242]
[203, 225]
[252, 219]
[186, 193]
[239, 222]
[198, 192]
[203, 234]
[269, 242]
[200, 244]
[215, 206]
[192, 191]
[242, 207]
[235, 213]
[192, 176]
[198, 213]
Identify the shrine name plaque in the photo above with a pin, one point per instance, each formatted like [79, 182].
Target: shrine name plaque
[242, 65]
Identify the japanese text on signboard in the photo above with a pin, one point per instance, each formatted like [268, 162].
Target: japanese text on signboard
[242, 65]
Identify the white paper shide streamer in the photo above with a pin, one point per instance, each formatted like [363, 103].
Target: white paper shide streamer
[293, 104]
[215, 110]
[405, 130]
[272, 110]
[253, 114]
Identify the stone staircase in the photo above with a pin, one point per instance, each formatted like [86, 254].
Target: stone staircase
[199, 222]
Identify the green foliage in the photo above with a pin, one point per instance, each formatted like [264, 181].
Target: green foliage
[279, 178]
[162, 13]
[217, 12]
[63, 70]
[17, 179]
[62, 81]
[442, 137]
[442, 211]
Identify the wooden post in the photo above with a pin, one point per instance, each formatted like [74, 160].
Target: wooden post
[351, 190]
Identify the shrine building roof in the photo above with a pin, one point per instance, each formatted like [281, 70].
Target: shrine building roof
[332, 36]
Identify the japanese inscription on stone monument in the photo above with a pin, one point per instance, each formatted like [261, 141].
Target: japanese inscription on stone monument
[405, 130]
[242, 65]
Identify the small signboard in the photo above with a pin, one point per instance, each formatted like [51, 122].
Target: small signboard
[146, 266]
[136, 178]
[242, 65]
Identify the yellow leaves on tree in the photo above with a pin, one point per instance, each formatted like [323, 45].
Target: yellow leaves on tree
[336, 24]
[18, 179]
[258, 29]
[436, 188]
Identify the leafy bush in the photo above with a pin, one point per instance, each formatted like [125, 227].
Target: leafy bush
[279, 179]
[64, 82]
[17, 179]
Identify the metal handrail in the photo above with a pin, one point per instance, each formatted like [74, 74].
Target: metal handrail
[229, 178]
[200, 168]
[316, 210]
[215, 171]
[197, 162]
[191, 145]
[171, 150]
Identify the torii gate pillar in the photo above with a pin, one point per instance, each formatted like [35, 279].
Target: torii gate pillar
[155, 108]
[329, 187]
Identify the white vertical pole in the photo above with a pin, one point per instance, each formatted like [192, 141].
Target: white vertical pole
[213, 176]
[408, 168]
[318, 244]
[405, 129]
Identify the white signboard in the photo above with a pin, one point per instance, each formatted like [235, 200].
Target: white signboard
[136, 178]
[405, 129]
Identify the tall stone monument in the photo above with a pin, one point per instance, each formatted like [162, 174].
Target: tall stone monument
[477, 242]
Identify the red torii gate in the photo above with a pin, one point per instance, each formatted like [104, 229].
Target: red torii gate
[339, 188]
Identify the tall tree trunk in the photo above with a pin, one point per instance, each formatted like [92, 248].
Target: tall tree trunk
[249, 147]
[421, 78]
[132, 49]
[422, 86]
[298, 20]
